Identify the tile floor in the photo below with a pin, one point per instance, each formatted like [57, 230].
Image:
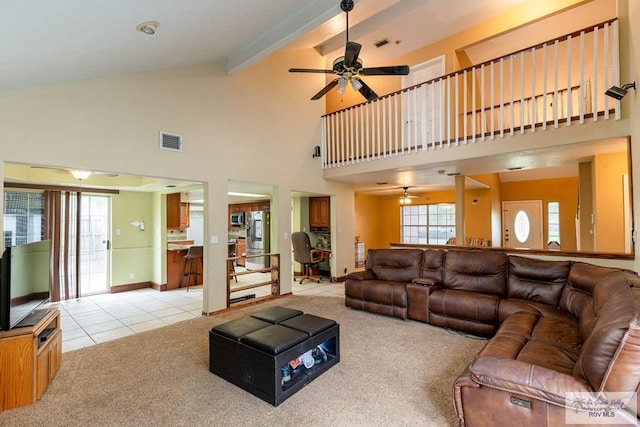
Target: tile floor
[99, 318]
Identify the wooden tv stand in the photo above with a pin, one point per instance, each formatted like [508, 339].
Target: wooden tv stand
[29, 359]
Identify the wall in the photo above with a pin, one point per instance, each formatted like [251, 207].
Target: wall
[450, 48]
[562, 190]
[609, 171]
[112, 124]
[369, 222]
[132, 249]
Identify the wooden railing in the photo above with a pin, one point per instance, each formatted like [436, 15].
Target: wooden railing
[559, 82]
[235, 283]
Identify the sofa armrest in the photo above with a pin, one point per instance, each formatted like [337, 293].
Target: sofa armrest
[526, 379]
[425, 281]
[362, 275]
[418, 292]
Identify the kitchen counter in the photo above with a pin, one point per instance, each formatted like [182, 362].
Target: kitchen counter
[178, 246]
[175, 263]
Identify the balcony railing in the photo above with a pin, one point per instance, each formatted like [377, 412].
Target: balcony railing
[557, 83]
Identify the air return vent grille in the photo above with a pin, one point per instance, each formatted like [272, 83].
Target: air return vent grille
[169, 141]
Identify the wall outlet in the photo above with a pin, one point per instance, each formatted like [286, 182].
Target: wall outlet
[131, 275]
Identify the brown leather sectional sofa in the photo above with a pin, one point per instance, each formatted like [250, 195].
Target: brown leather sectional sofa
[555, 328]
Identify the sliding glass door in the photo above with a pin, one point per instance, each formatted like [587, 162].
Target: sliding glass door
[92, 266]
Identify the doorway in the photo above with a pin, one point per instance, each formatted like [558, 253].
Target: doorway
[420, 106]
[522, 222]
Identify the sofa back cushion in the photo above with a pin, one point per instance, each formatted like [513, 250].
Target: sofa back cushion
[537, 280]
[610, 355]
[477, 271]
[577, 294]
[433, 264]
[396, 265]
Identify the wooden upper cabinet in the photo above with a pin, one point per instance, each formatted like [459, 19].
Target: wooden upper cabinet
[319, 213]
[177, 212]
[184, 215]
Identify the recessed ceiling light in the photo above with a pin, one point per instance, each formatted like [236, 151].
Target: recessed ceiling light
[148, 27]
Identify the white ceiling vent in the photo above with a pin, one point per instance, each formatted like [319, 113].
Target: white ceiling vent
[169, 141]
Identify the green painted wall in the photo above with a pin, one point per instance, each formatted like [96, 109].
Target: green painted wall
[30, 268]
[132, 254]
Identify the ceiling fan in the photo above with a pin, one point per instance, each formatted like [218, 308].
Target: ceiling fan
[406, 198]
[349, 67]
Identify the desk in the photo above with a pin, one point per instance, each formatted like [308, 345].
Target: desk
[316, 271]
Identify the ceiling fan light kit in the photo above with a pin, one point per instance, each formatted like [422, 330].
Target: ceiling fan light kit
[349, 67]
[407, 199]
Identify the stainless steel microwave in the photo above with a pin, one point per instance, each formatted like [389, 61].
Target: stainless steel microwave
[237, 218]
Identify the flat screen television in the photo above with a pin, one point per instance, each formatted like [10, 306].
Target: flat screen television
[24, 281]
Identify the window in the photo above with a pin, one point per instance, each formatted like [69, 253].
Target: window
[553, 221]
[428, 224]
[23, 217]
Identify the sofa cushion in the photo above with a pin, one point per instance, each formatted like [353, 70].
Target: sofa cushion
[577, 294]
[476, 271]
[610, 355]
[537, 280]
[508, 306]
[536, 340]
[433, 264]
[465, 305]
[397, 265]
[378, 291]
[610, 284]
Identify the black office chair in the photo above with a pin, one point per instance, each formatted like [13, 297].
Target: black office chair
[304, 254]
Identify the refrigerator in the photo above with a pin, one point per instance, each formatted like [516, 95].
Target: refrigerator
[258, 227]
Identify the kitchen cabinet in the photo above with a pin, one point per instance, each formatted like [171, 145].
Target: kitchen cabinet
[177, 212]
[319, 213]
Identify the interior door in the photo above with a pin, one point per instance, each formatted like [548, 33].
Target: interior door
[417, 110]
[522, 224]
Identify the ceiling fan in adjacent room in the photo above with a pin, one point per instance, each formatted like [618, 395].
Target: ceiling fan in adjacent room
[349, 67]
[406, 198]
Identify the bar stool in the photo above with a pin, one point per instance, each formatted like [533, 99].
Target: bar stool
[190, 266]
[231, 253]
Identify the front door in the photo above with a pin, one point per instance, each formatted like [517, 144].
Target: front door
[522, 224]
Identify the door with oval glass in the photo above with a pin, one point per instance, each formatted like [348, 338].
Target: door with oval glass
[522, 224]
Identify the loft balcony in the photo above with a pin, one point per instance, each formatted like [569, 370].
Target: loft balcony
[559, 83]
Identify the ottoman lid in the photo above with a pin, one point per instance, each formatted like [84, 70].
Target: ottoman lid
[309, 324]
[236, 329]
[274, 339]
[276, 314]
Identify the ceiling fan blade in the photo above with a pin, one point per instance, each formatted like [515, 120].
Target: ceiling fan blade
[367, 92]
[309, 70]
[351, 52]
[393, 70]
[326, 89]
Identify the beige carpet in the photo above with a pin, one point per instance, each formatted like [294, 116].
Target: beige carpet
[391, 373]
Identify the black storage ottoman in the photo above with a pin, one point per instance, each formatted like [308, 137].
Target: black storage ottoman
[250, 352]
